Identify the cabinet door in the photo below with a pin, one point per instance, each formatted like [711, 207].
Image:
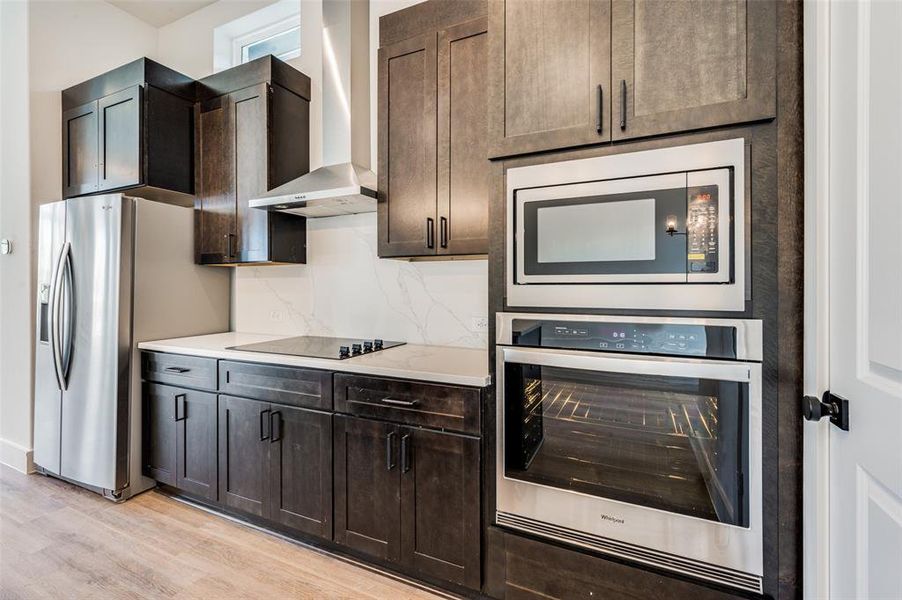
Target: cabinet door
[463, 165]
[244, 432]
[367, 487]
[300, 470]
[196, 418]
[440, 516]
[407, 150]
[686, 64]
[80, 150]
[214, 205]
[120, 140]
[159, 434]
[550, 74]
[250, 111]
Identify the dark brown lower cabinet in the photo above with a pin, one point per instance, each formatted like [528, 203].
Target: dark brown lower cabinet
[275, 463]
[159, 432]
[243, 452]
[440, 505]
[180, 438]
[195, 436]
[409, 495]
[367, 487]
[300, 470]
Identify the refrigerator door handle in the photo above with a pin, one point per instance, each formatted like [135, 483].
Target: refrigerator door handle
[55, 288]
[70, 315]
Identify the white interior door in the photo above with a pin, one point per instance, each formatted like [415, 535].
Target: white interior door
[857, 172]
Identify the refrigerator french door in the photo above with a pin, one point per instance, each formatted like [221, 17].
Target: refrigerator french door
[112, 271]
[84, 339]
[638, 437]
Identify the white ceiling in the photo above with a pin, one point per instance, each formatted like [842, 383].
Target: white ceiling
[160, 12]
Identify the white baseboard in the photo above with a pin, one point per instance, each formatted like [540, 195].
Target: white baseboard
[18, 457]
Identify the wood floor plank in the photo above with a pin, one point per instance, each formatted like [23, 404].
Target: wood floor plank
[59, 541]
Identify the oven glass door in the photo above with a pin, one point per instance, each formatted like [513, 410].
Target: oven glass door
[664, 228]
[631, 432]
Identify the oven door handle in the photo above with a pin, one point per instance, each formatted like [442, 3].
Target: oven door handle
[632, 364]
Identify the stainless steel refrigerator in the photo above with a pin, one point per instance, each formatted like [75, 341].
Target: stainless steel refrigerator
[113, 271]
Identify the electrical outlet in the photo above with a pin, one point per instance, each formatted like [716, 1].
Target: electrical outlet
[275, 315]
[479, 324]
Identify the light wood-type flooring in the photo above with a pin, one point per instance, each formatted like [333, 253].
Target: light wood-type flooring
[59, 541]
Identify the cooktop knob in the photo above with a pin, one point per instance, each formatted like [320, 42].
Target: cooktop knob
[377, 344]
[367, 347]
[355, 348]
[344, 352]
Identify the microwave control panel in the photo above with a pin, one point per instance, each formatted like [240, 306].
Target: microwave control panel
[702, 229]
[674, 339]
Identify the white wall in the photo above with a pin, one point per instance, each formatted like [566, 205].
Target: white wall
[47, 46]
[15, 220]
[346, 290]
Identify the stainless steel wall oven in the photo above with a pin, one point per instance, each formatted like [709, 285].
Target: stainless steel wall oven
[656, 229]
[634, 436]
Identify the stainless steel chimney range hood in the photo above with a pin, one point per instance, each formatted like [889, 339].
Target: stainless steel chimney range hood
[342, 189]
[346, 185]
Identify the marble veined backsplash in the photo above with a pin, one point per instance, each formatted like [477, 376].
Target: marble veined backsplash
[346, 290]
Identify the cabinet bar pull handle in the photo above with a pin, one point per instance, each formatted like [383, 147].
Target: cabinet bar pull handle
[231, 250]
[389, 463]
[178, 370]
[623, 104]
[430, 232]
[405, 452]
[275, 426]
[599, 110]
[399, 402]
[180, 407]
[444, 231]
[265, 435]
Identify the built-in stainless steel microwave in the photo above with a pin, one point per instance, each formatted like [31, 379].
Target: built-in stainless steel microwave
[656, 229]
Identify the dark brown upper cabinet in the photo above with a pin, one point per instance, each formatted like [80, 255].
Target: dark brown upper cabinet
[253, 125]
[433, 168]
[581, 72]
[686, 65]
[129, 128]
[550, 75]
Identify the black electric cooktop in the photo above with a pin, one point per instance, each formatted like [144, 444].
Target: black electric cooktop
[319, 347]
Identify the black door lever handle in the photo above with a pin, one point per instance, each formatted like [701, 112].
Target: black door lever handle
[831, 405]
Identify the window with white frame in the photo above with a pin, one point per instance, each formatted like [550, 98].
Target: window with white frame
[275, 29]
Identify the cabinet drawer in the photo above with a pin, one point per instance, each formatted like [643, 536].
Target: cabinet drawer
[307, 388]
[424, 404]
[179, 369]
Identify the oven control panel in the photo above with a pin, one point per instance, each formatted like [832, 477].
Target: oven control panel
[675, 339]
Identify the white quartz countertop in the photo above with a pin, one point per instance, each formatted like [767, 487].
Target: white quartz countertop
[441, 364]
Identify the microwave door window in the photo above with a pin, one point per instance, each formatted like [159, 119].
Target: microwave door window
[606, 238]
[670, 443]
[596, 232]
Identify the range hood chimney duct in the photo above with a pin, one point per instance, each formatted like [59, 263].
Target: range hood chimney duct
[346, 185]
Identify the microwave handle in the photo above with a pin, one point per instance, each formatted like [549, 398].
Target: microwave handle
[631, 364]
